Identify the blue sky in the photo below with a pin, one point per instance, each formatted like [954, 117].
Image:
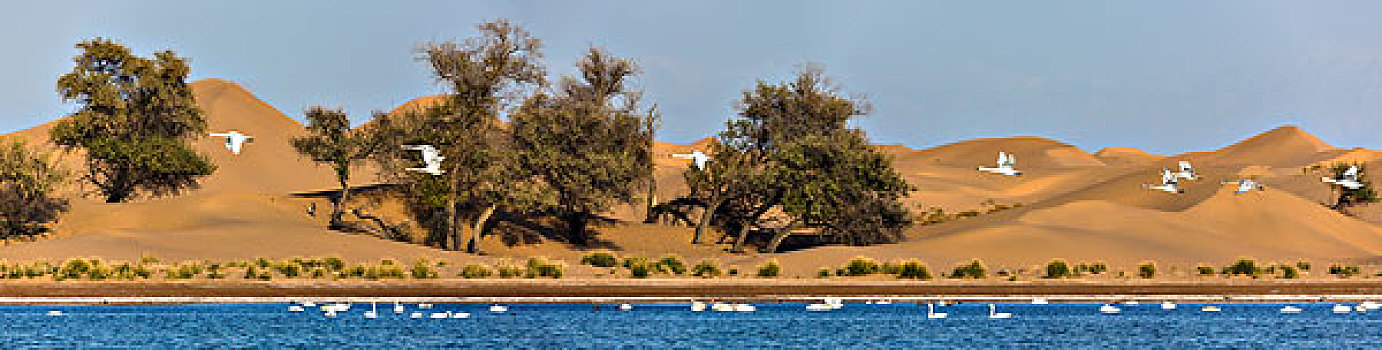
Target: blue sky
[1166, 76]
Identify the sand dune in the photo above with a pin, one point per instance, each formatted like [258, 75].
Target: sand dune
[1077, 206]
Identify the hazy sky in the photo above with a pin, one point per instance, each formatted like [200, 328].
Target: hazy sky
[1165, 76]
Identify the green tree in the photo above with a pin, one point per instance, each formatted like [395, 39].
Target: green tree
[589, 143]
[484, 75]
[28, 181]
[1350, 197]
[135, 118]
[790, 148]
[331, 141]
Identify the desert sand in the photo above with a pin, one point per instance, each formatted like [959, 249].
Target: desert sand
[1075, 205]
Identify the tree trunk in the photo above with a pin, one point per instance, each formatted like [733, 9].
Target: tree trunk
[705, 219]
[777, 240]
[479, 229]
[739, 242]
[452, 238]
[575, 226]
[652, 199]
[338, 206]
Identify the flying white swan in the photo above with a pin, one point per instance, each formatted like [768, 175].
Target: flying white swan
[1348, 179]
[1168, 183]
[697, 158]
[234, 140]
[431, 156]
[1244, 185]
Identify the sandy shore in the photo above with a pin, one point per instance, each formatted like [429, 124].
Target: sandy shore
[676, 291]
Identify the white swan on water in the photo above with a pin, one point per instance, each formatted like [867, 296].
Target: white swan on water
[932, 314]
[993, 313]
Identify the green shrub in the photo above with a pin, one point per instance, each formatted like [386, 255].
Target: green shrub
[99, 270]
[1147, 269]
[147, 259]
[1344, 270]
[974, 269]
[73, 268]
[388, 268]
[359, 270]
[672, 264]
[1303, 265]
[861, 266]
[600, 259]
[733, 272]
[706, 268]
[891, 268]
[542, 268]
[824, 272]
[475, 271]
[334, 263]
[320, 272]
[507, 270]
[769, 269]
[1057, 269]
[263, 263]
[1289, 272]
[215, 271]
[290, 269]
[422, 269]
[914, 270]
[1205, 270]
[638, 269]
[1246, 267]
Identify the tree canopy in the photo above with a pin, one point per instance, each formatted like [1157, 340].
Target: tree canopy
[588, 143]
[1351, 197]
[790, 148]
[331, 141]
[135, 118]
[28, 181]
[484, 76]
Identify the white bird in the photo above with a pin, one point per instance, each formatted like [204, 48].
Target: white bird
[625, 307]
[330, 313]
[459, 314]
[819, 307]
[309, 304]
[697, 306]
[397, 308]
[296, 308]
[994, 314]
[431, 156]
[1006, 164]
[234, 140]
[1210, 308]
[54, 313]
[373, 311]
[1110, 309]
[1244, 185]
[443, 314]
[1168, 183]
[415, 314]
[424, 306]
[1166, 305]
[835, 302]
[1348, 179]
[1371, 305]
[932, 314]
[1288, 309]
[1186, 171]
[1342, 309]
[744, 308]
[1040, 301]
[721, 307]
[697, 158]
[496, 308]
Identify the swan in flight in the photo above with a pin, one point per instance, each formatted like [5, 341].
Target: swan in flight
[993, 313]
[696, 157]
[234, 140]
[1348, 179]
[1245, 185]
[1168, 183]
[1186, 171]
[431, 156]
[1006, 164]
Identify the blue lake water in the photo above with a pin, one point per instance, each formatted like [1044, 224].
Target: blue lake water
[674, 326]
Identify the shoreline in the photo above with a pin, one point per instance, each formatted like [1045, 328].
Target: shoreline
[677, 291]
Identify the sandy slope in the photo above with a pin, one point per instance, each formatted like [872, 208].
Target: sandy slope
[1077, 206]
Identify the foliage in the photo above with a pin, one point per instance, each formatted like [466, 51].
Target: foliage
[1204, 270]
[483, 74]
[1289, 272]
[1344, 270]
[790, 147]
[706, 268]
[589, 143]
[1351, 197]
[600, 259]
[974, 269]
[1058, 268]
[1303, 265]
[861, 266]
[422, 269]
[330, 140]
[914, 270]
[1247, 267]
[541, 268]
[769, 269]
[475, 271]
[672, 264]
[1147, 269]
[28, 181]
[134, 119]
